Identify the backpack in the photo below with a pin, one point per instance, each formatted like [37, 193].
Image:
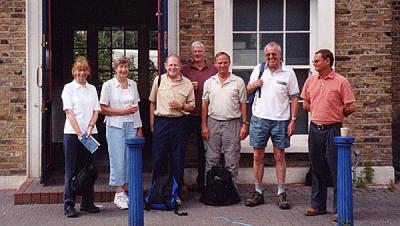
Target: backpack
[84, 180]
[163, 194]
[219, 190]
[250, 97]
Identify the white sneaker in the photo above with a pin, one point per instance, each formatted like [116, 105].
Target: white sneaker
[120, 201]
[126, 197]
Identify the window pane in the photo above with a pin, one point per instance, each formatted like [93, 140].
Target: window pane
[116, 53]
[80, 52]
[80, 39]
[297, 49]
[297, 15]
[271, 15]
[302, 75]
[244, 74]
[245, 15]
[104, 76]
[265, 39]
[118, 39]
[131, 39]
[104, 59]
[153, 40]
[134, 75]
[153, 60]
[244, 49]
[302, 121]
[133, 55]
[104, 39]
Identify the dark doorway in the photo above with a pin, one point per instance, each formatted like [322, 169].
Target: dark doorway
[99, 30]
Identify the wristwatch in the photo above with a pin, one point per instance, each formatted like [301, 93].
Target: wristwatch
[245, 122]
[294, 118]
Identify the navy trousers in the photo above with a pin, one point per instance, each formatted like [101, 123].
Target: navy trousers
[169, 143]
[76, 157]
[195, 125]
[323, 158]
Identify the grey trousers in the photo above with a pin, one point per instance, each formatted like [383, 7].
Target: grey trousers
[224, 137]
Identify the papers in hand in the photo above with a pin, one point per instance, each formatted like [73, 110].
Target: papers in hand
[89, 142]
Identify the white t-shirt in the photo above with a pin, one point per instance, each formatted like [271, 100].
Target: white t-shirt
[276, 91]
[113, 96]
[83, 101]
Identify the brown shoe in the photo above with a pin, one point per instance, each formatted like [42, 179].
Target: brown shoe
[283, 202]
[334, 217]
[314, 212]
[255, 199]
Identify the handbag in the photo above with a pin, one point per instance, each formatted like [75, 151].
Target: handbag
[82, 182]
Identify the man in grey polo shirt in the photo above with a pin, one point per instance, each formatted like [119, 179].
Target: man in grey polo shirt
[224, 116]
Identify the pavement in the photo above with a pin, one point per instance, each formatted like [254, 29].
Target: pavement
[373, 206]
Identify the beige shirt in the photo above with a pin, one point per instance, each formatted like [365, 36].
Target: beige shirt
[180, 90]
[224, 99]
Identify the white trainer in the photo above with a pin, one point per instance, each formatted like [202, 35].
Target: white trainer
[120, 201]
[126, 197]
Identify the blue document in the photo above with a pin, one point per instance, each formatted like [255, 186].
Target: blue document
[90, 143]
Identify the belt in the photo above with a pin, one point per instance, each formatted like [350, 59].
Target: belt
[326, 126]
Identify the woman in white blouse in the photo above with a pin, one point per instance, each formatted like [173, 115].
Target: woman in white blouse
[119, 102]
[81, 107]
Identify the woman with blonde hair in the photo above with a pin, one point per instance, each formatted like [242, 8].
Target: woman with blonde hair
[81, 107]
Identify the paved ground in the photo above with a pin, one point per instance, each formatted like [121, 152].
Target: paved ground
[373, 206]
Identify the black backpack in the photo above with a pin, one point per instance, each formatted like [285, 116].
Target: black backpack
[219, 190]
[84, 180]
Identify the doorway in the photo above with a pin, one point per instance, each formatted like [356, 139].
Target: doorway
[100, 31]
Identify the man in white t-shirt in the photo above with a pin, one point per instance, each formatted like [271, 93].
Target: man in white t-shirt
[275, 110]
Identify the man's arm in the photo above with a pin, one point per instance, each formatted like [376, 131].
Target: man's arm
[244, 130]
[349, 108]
[152, 109]
[306, 105]
[294, 106]
[204, 114]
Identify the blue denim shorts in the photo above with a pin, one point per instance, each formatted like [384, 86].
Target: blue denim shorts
[263, 129]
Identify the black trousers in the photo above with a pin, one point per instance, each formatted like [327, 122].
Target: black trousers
[323, 158]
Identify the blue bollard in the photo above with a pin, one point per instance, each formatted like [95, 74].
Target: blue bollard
[135, 181]
[344, 181]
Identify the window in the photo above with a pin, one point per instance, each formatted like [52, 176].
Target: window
[287, 22]
[114, 42]
[80, 43]
[250, 24]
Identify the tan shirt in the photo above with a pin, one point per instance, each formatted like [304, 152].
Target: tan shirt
[224, 99]
[180, 90]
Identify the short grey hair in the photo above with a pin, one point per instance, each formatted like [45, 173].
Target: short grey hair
[197, 44]
[121, 60]
[273, 44]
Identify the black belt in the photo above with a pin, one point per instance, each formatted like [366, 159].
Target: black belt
[326, 126]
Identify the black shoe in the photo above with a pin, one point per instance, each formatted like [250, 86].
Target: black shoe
[255, 200]
[70, 211]
[283, 203]
[90, 208]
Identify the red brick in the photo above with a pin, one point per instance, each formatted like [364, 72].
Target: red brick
[44, 198]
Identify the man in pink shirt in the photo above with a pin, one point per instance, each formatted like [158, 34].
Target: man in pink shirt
[329, 98]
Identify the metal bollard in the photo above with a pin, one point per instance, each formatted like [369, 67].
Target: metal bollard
[135, 181]
[344, 181]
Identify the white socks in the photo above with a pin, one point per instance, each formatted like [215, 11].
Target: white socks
[259, 188]
[281, 188]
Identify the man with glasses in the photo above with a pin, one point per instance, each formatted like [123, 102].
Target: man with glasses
[329, 98]
[275, 109]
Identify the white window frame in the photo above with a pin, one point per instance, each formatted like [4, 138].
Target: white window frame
[322, 35]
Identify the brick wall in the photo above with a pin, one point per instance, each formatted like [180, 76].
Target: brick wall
[196, 22]
[12, 87]
[396, 83]
[363, 50]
